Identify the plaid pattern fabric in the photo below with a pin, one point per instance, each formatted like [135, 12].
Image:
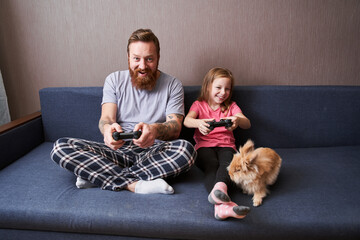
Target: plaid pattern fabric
[114, 170]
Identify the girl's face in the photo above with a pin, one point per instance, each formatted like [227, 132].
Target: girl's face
[219, 90]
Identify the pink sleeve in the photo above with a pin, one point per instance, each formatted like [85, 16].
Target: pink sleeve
[234, 109]
[195, 107]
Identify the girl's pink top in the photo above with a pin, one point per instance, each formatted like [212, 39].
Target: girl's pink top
[220, 136]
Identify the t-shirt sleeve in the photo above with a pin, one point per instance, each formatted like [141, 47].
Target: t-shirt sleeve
[176, 98]
[195, 107]
[109, 90]
[234, 109]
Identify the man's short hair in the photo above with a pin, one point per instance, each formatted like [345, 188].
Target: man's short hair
[144, 35]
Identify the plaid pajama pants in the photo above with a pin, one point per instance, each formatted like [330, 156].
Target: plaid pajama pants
[114, 170]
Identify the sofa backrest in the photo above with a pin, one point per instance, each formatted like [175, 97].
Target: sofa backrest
[281, 116]
[71, 112]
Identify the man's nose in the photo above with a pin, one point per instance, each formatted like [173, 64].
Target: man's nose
[142, 64]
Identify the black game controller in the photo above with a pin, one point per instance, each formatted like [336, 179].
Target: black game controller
[121, 135]
[222, 123]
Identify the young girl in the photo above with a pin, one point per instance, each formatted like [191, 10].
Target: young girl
[216, 147]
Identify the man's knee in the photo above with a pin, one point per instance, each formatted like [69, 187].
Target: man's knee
[189, 151]
[58, 149]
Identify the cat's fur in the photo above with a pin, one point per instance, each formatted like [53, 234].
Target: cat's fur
[253, 169]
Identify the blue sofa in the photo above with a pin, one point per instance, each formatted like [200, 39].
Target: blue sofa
[315, 129]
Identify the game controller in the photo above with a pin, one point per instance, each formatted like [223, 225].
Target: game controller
[122, 135]
[222, 123]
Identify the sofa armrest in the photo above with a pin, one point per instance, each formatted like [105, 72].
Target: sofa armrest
[19, 137]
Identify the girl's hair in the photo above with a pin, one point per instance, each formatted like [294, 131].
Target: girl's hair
[144, 35]
[209, 78]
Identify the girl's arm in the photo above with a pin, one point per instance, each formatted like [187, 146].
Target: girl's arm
[191, 121]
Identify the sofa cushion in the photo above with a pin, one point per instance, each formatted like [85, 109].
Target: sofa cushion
[315, 197]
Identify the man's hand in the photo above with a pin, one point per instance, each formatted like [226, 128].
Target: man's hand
[148, 135]
[166, 131]
[108, 139]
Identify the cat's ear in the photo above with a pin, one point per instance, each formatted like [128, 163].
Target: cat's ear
[247, 148]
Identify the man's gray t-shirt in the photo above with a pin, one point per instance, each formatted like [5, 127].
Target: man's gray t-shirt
[136, 106]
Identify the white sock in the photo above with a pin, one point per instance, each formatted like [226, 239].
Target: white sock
[82, 183]
[154, 186]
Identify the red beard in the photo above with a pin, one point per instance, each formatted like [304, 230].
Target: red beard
[147, 83]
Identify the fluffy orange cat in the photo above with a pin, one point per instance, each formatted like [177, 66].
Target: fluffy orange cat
[253, 169]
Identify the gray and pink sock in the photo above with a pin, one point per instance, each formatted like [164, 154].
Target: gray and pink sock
[223, 206]
[230, 209]
[219, 194]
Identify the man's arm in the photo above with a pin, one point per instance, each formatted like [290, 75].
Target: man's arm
[108, 115]
[170, 129]
[108, 125]
[166, 131]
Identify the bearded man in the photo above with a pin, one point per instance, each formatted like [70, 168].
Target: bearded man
[144, 99]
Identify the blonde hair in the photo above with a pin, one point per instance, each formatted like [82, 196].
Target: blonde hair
[209, 78]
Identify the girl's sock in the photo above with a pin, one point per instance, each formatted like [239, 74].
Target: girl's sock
[230, 209]
[82, 183]
[218, 194]
[154, 186]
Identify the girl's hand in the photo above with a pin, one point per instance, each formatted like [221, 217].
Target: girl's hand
[235, 123]
[203, 126]
[239, 120]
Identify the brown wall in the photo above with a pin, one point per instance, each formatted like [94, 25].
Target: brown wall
[52, 43]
